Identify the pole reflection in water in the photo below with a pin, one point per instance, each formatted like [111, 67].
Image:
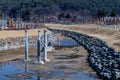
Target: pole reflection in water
[26, 71]
[38, 78]
[26, 68]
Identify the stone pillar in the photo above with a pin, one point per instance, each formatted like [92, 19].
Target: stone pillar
[26, 46]
[45, 46]
[39, 61]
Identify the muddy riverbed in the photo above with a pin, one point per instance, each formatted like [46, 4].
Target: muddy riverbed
[66, 63]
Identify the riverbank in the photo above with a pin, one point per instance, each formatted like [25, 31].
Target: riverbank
[102, 58]
[18, 33]
[111, 36]
[66, 63]
[11, 39]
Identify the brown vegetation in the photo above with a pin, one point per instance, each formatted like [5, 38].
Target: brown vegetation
[111, 36]
[18, 33]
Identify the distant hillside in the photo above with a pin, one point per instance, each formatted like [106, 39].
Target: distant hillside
[21, 8]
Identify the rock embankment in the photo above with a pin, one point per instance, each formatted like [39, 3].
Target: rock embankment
[111, 36]
[102, 58]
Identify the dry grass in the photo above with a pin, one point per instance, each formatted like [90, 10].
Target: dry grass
[18, 33]
[111, 36]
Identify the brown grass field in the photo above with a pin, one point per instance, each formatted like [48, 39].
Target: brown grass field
[18, 33]
[111, 36]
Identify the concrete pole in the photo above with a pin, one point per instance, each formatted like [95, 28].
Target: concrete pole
[39, 61]
[26, 46]
[2, 23]
[45, 46]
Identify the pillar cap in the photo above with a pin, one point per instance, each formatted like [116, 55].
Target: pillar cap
[38, 30]
[26, 31]
[45, 30]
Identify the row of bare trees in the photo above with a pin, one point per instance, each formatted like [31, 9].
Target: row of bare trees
[96, 20]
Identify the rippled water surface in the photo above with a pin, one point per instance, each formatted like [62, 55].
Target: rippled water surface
[19, 70]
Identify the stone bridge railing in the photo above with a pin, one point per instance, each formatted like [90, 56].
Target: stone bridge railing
[102, 58]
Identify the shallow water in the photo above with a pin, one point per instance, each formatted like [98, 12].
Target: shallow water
[20, 71]
[66, 42]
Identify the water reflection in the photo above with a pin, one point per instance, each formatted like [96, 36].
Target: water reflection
[26, 68]
[21, 71]
[65, 43]
[38, 78]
